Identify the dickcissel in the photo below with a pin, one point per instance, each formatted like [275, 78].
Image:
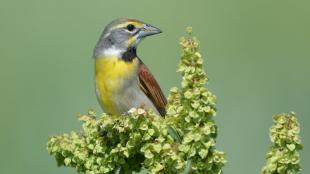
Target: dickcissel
[122, 80]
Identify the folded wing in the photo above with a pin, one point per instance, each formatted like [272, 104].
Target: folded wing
[151, 88]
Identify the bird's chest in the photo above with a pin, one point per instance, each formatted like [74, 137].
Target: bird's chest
[113, 76]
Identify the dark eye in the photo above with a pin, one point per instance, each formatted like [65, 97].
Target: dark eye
[130, 27]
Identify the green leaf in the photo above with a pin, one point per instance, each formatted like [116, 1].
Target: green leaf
[117, 171]
[291, 147]
[203, 153]
[188, 167]
[148, 154]
[67, 161]
[142, 171]
[174, 134]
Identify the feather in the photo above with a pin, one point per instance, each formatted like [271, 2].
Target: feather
[150, 87]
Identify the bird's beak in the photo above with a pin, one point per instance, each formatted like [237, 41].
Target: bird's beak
[148, 30]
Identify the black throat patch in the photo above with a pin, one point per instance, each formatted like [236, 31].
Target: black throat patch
[129, 55]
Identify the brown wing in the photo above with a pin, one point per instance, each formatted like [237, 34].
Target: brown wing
[151, 88]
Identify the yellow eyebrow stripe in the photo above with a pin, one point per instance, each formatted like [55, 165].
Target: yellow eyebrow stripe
[135, 23]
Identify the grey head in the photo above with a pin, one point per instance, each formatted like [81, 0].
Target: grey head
[121, 35]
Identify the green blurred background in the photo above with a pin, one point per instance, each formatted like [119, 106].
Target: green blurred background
[257, 57]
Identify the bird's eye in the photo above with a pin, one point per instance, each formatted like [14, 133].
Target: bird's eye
[130, 27]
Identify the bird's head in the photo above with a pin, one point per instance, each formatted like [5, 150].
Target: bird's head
[121, 35]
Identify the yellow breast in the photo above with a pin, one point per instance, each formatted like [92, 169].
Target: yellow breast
[111, 73]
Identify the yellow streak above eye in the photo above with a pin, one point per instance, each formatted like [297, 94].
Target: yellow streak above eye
[135, 23]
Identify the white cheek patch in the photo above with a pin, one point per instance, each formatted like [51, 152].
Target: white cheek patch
[112, 51]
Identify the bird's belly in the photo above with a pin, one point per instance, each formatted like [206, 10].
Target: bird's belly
[132, 97]
[120, 101]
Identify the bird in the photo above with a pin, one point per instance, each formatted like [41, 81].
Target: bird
[122, 80]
